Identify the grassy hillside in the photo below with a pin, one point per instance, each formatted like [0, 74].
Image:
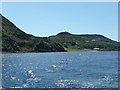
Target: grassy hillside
[15, 40]
[85, 41]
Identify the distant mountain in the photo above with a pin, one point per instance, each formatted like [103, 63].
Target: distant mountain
[15, 40]
[84, 41]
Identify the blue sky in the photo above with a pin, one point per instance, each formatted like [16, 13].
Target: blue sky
[50, 18]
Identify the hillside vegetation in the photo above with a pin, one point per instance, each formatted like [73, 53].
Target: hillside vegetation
[15, 40]
[85, 41]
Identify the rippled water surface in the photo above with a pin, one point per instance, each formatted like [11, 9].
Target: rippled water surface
[90, 69]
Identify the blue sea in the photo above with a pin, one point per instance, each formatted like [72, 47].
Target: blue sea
[80, 69]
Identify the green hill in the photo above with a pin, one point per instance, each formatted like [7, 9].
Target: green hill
[85, 41]
[15, 40]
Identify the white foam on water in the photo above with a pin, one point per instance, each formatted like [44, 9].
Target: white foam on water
[30, 71]
[65, 61]
[25, 85]
[32, 79]
[49, 70]
[32, 75]
[88, 85]
[107, 78]
[13, 77]
[54, 66]
[98, 83]
[64, 83]
[60, 84]
[16, 87]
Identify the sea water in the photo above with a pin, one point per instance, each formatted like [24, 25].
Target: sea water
[82, 69]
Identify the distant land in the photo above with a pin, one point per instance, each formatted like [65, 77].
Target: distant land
[15, 40]
[72, 42]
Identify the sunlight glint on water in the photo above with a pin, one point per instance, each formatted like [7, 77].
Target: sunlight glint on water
[61, 70]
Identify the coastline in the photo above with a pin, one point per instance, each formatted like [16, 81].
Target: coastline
[60, 51]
